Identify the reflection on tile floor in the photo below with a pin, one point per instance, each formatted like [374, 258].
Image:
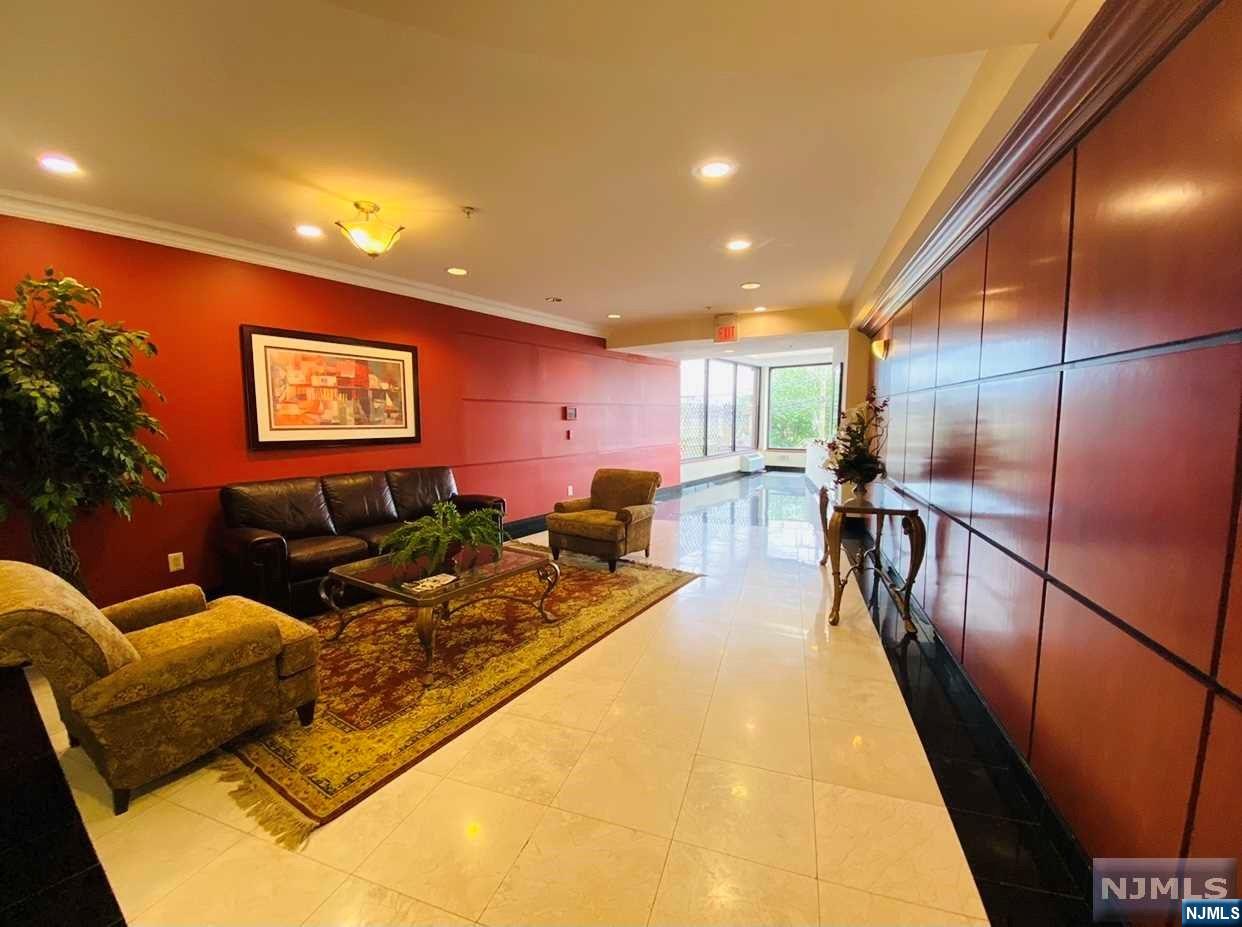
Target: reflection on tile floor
[725, 758]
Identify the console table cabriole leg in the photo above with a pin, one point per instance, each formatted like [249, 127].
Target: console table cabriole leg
[914, 529]
[832, 544]
[823, 521]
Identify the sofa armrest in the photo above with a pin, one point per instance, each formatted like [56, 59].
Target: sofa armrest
[468, 502]
[156, 608]
[573, 505]
[250, 641]
[636, 513]
[256, 564]
[252, 542]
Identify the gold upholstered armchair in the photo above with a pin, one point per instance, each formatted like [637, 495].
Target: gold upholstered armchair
[147, 685]
[614, 521]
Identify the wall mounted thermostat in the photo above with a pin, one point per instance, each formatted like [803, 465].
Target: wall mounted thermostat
[570, 413]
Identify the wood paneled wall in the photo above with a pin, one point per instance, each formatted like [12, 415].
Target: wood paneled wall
[1066, 403]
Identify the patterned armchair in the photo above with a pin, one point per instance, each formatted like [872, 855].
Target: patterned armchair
[147, 685]
[613, 522]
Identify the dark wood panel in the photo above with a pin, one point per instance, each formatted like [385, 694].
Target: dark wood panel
[944, 589]
[961, 314]
[895, 440]
[924, 328]
[1145, 469]
[1116, 733]
[1003, 603]
[1028, 258]
[920, 411]
[1218, 813]
[1159, 193]
[953, 449]
[1015, 443]
[898, 360]
[1230, 672]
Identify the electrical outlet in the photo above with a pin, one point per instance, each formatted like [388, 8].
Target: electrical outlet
[570, 490]
[176, 562]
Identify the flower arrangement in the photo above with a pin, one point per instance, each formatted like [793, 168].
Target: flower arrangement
[854, 454]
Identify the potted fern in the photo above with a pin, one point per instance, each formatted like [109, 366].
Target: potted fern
[446, 536]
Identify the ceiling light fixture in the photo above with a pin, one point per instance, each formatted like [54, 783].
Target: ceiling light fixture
[761, 308]
[368, 234]
[456, 271]
[614, 315]
[879, 348]
[715, 170]
[59, 164]
[307, 230]
[553, 299]
[738, 244]
[750, 285]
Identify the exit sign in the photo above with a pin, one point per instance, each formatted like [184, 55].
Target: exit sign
[726, 329]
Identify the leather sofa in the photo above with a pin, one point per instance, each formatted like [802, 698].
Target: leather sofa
[147, 685]
[282, 536]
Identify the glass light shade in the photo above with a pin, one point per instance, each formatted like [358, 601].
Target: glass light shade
[368, 233]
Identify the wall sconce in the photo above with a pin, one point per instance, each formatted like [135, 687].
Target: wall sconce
[368, 234]
[879, 347]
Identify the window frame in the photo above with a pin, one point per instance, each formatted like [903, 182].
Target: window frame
[837, 369]
[755, 400]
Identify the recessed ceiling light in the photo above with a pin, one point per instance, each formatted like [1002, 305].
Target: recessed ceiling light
[59, 164]
[309, 231]
[553, 299]
[614, 315]
[738, 244]
[750, 285]
[456, 271]
[715, 170]
[761, 308]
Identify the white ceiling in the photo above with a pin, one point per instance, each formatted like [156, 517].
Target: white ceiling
[572, 126]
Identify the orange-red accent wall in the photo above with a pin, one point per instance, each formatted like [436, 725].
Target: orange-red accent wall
[491, 395]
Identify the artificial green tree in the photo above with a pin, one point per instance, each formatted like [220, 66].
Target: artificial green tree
[70, 414]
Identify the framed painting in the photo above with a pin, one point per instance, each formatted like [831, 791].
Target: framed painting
[305, 390]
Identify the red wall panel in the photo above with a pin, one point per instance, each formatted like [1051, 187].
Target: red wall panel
[1146, 460]
[895, 440]
[898, 360]
[1156, 230]
[924, 328]
[1116, 733]
[1028, 262]
[944, 587]
[961, 314]
[491, 391]
[1015, 445]
[953, 449]
[920, 410]
[1003, 610]
[1230, 672]
[1219, 808]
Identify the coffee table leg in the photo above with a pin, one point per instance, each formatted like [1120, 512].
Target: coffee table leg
[550, 573]
[425, 625]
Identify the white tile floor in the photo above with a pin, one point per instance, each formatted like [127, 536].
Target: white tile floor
[725, 758]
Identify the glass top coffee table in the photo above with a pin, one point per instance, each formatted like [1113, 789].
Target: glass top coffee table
[378, 575]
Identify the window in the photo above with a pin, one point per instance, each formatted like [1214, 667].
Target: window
[802, 404]
[719, 407]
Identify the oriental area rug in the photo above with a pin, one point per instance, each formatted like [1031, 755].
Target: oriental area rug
[375, 717]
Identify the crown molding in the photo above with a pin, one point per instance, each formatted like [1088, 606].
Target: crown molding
[123, 225]
[1121, 44]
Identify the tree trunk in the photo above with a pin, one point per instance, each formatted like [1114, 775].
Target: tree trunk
[54, 551]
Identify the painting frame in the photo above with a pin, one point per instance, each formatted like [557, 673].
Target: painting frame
[261, 344]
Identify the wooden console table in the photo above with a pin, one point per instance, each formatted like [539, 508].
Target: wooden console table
[911, 524]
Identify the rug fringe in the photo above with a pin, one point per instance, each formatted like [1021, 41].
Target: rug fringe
[289, 828]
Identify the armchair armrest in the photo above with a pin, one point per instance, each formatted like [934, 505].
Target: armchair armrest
[573, 505]
[636, 513]
[468, 502]
[156, 608]
[248, 642]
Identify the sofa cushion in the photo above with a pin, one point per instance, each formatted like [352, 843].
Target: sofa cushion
[299, 642]
[375, 534]
[416, 488]
[358, 500]
[311, 557]
[295, 508]
[614, 489]
[599, 524]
